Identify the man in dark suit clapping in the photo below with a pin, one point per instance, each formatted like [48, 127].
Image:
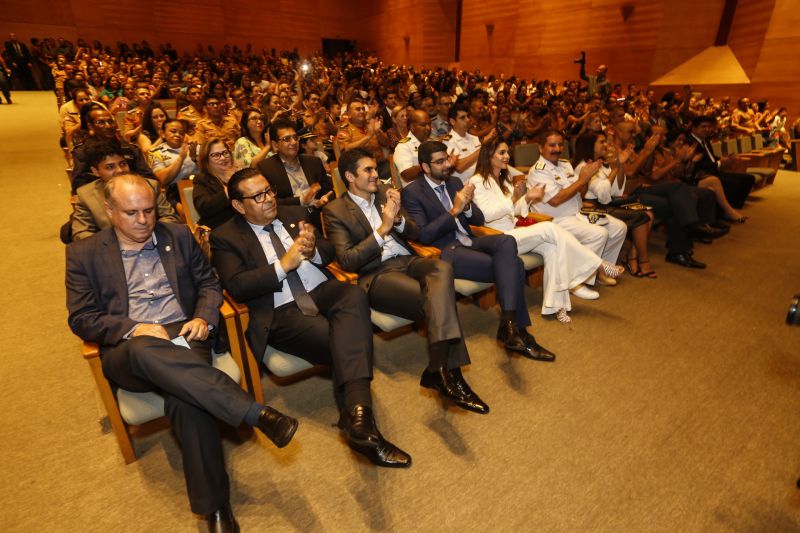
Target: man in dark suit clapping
[369, 229]
[271, 259]
[441, 205]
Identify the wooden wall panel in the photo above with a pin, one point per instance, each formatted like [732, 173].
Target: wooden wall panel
[283, 24]
[748, 31]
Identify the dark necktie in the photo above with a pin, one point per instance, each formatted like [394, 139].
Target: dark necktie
[301, 296]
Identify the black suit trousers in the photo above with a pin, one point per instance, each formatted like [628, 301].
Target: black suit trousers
[420, 288]
[340, 336]
[674, 204]
[493, 259]
[196, 396]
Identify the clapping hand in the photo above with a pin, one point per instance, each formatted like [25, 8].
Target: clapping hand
[462, 199]
[589, 170]
[308, 197]
[319, 204]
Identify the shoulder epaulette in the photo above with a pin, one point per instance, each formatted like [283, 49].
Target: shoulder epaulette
[539, 166]
[564, 160]
[404, 140]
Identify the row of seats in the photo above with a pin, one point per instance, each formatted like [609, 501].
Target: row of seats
[132, 414]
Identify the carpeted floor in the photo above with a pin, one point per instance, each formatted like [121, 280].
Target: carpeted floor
[674, 404]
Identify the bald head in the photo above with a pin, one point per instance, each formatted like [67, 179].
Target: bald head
[131, 208]
[420, 124]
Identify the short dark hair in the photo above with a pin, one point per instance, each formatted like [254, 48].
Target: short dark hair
[280, 124]
[427, 149]
[703, 119]
[348, 161]
[99, 150]
[183, 122]
[452, 113]
[238, 177]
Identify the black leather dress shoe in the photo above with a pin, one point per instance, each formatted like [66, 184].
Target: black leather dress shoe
[454, 389]
[509, 335]
[277, 426]
[707, 232]
[222, 521]
[363, 436]
[466, 391]
[540, 353]
[685, 260]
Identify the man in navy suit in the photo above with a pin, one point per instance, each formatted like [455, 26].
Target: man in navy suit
[442, 207]
[134, 287]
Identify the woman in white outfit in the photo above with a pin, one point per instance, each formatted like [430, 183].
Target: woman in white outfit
[567, 263]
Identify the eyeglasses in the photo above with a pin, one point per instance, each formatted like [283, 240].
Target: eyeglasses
[439, 161]
[288, 138]
[216, 156]
[261, 197]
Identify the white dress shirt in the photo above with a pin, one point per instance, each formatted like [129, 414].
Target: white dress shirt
[390, 247]
[310, 275]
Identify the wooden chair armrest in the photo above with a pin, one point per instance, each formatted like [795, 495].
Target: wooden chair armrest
[341, 274]
[90, 350]
[539, 217]
[238, 308]
[423, 250]
[483, 231]
[226, 310]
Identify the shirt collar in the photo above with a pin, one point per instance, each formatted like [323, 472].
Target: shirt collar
[432, 184]
[277, 224]
[362, 203]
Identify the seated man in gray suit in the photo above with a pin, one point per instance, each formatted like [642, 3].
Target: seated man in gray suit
[106, 160]
[369, 229]
[145, 293]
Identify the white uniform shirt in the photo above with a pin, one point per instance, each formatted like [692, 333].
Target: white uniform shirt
[405, 154]
[555, 178]
[310, 275]
[463, 146]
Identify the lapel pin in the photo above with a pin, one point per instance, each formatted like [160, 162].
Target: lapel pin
[291, 225]
[168, 248]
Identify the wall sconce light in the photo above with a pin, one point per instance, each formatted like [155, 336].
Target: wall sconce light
[489, 28]
[407, 40]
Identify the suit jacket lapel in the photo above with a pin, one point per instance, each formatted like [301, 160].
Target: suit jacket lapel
[166, 250]
[112, 264]
[358, 214]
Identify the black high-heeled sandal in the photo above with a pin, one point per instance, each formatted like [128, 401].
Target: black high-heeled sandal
[649, 275]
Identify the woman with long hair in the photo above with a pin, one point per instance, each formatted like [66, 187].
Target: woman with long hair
[606, 189]
[253, 146]
[210, 196]
[153, 118]
[567, 263]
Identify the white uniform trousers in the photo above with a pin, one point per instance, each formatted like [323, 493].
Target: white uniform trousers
[604, 240]
[567, 263]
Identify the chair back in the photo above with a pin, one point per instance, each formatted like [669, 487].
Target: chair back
[758, 141]
[716, 147]
[396, 181]
[338, 185]
[730, 147]
[186, 191]
[745, 144]
[525, 155]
